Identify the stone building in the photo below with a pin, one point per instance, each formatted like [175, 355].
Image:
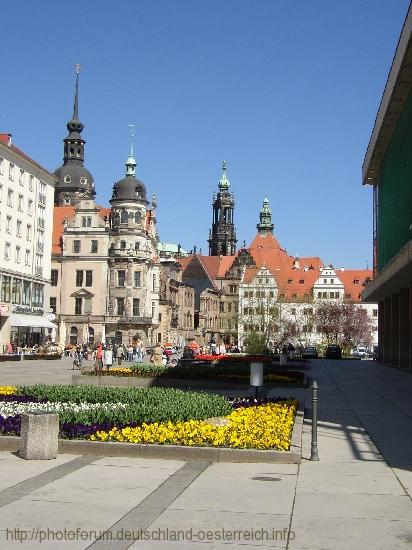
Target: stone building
[26, 218]
[105, 268]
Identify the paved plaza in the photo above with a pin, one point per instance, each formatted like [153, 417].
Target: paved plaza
[357, 497]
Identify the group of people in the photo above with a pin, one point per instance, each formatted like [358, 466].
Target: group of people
[105, 355]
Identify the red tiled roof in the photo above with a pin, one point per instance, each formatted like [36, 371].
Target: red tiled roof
[349, 278]
[293, 283]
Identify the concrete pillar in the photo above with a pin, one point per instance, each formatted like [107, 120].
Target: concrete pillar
[395, 329]
[387, 330]
[39, 436]
[381, 329]
[404, 327]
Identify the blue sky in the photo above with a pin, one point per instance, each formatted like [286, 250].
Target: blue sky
[285, 91]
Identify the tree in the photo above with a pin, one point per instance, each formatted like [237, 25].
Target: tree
[347, 324]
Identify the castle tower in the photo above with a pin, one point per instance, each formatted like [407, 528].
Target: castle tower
[74, 180]
[222, 235]
[265, 224]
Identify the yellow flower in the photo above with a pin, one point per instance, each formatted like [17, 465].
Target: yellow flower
[7, 390]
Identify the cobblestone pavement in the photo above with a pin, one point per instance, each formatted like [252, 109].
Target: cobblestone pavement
[357, 497]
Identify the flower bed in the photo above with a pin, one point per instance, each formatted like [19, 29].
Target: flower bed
[233, 373]
[161, 416]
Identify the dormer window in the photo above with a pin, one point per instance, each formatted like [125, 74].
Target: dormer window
[302, 282]
[67, 179]
[289, 281]
[83, 180]
[355, 281]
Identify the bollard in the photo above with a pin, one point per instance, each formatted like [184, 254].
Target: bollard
[256, 377]
[314, 456]
[39, 436]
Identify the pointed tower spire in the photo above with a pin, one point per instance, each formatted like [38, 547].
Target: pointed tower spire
[222, 238]
[265, 225]
[131, 161]
[74, 125]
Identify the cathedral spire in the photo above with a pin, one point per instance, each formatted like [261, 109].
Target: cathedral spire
[222, 238]
[265, 225]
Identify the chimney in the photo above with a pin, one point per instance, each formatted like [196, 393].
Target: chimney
[9, 140]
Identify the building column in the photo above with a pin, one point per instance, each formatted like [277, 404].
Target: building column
[395, 330]
[404, 327]
[387, 330]
[381, 329]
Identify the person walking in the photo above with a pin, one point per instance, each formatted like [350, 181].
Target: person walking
[157, 355]
[98, 362]
[108, 357]
[120, 354]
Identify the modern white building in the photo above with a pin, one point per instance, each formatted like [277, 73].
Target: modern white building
[26, 225]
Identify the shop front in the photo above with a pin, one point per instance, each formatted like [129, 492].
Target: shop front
[29, 330]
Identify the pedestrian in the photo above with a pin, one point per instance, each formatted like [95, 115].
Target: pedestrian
[98, 362]
[130, 353]
[108, 357]
[77, 358]
[120, 354]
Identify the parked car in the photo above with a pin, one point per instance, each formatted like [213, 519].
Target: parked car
[310, 352]
[361, 352]
[333, 351]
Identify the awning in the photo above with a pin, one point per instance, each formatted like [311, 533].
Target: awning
[20, 320]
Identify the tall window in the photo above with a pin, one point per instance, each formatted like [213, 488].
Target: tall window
[16, 291]
[79, 277]
[1, 166]
[18, 228]
[123, 245]
[7, 251]
[136, 278]
[40, 221]
[8, 225]
[5, 288]
[86, 221]
[26, 293]
[87, 306]
[136, 307]
[153, 310]
[27, 257]
[154, 281]
[120, 306]
[20, 203]
[54, 277]
[53, 304]
[138, 217]
[76, 246]
[89, 278]
[121, 277]
[94, 247]
[18, 254]
[11, 172]
[73, 335]
[37, 295]
[9, 197]
[78, 303]
[30, 207]
[31, 179]
[21, 177]
[124, 216]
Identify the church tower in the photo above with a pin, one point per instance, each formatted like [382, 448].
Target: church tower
[265, 224]
[74, 180]
[222, 236]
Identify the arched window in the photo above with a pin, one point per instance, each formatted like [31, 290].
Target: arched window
[138, 217]
[73, 335]
[123, 245]
[118, 337]
[124, 216]
[91, 335]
